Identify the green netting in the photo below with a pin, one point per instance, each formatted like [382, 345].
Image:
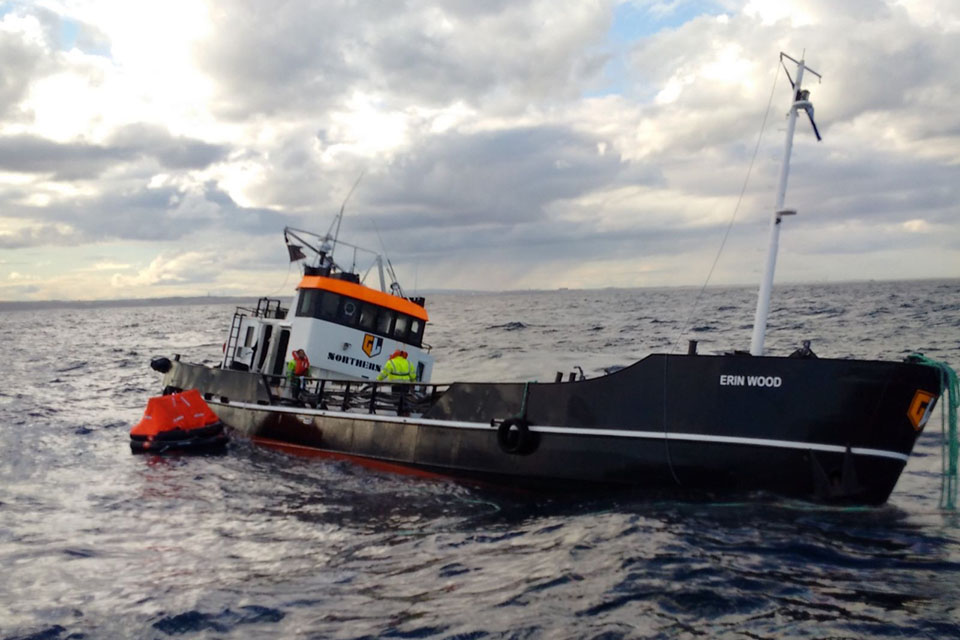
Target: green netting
[950, 396]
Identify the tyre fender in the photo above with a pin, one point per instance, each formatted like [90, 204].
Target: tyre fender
[514, 437]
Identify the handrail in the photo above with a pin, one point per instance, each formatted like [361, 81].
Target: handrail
[356, 396]
[266, 308]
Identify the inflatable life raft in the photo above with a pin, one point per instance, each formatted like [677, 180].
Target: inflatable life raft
[178, 421]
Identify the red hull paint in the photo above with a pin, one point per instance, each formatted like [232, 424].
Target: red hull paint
[379, 465]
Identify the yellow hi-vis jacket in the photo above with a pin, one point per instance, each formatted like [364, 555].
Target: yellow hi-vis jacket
[397, 370]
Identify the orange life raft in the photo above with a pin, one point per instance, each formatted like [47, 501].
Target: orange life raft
[180, 421]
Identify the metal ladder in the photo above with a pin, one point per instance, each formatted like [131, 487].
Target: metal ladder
[233, 337]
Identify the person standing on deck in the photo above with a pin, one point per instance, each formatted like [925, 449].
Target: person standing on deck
[398, 369]
[296, 369]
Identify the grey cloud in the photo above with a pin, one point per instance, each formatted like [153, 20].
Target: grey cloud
[79, 159]
[37, 236]
[66, 161]
[452, 179]
[247, 219]
[882, 68]
[872, 57]
[513, 50]
[493, 177]
[294, 179]
[561, 240]
[452, 189]
[846, 244]
[172, 152]
[885, 189]
[142, 213]
[302, 57]
[50, 21]
[91, 39]
[282, 57]
[23, 60]
[505, 257]
[491, 193]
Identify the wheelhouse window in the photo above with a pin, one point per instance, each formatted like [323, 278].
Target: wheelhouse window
[326, 305]
[368, 316]
[327, 309]
[385, 321]
[400, 327]
[348, 312]
[308, 300]
[416, 331]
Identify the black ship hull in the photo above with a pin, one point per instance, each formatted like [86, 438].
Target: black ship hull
[820, 429]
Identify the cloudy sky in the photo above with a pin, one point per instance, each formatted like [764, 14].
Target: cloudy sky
[159, 148]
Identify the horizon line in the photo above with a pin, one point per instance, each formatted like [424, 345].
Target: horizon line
[23, 305]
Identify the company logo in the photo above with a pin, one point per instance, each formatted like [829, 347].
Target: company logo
[372, 345]
[920, 408]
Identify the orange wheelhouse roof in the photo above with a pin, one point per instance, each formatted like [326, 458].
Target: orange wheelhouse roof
[364, 293]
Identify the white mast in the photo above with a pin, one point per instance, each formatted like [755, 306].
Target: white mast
[799, 101]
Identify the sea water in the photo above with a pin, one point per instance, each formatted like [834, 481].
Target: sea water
[98, 543]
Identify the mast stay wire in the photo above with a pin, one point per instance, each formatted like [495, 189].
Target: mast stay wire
[716, 259]
[284, 285]
[343, 205]
[733, 217]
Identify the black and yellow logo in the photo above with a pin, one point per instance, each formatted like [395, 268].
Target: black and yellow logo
[372, 345]
[920, 407]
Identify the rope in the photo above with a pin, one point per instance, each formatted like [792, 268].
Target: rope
[726, 234]
[950, 444]
[666, 439]
[284, 285]
[523, 403]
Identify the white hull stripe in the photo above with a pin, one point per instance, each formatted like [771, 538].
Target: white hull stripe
[615, 433]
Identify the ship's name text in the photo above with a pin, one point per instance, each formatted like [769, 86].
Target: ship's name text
[730, 380]
[356, 362]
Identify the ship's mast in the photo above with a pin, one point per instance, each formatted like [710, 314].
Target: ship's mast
[799, 101]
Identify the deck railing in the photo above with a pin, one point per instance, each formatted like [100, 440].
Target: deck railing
[356, 396]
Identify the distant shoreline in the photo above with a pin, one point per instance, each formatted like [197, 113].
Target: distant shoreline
[40, 305]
